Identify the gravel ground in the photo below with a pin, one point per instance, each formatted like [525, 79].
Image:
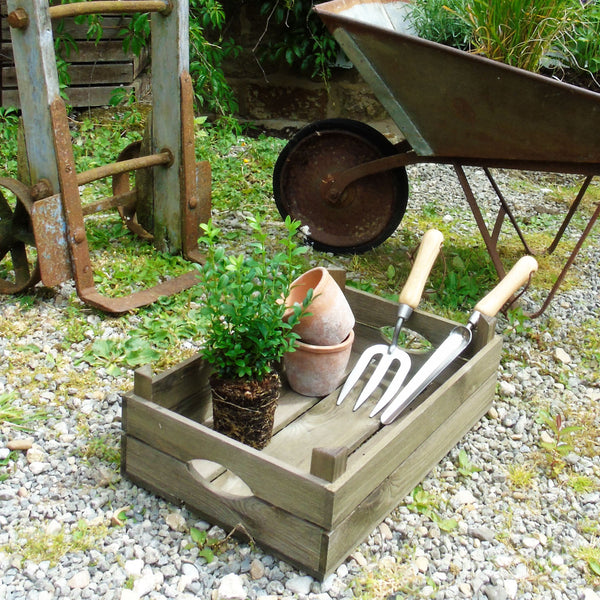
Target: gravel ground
[523, 526]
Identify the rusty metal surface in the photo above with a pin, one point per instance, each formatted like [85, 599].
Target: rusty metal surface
[17, 239]
[109, 7]
[50, 230]
[454, 104]
[351, 218]
[195, 177]
[125, 166]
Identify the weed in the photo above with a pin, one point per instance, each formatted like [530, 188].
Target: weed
[521, 477]
[104, 449]
[581, 484]
[465, 467]
[15, 415]
[389, 580]
[38, 545]
[207, 547]
[560, 442]
[5, 465]
[426, 504]
[591, 556]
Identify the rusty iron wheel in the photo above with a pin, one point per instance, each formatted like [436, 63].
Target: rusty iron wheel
[368, 211]
[19, 266]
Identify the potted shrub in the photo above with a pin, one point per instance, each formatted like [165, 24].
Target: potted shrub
[244, 333]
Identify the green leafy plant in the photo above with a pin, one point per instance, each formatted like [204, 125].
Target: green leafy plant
[304, 42]
[439, 21]
[241, 314]
[426, 504]
[208, 50]
[560, 442]
[465, 467]
[15, 415]
[519, 33]
[579, 48]
[207, 547]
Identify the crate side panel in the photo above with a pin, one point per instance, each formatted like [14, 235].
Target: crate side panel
[379, 456]
[285, 534]
[270, 479]
[362, 521]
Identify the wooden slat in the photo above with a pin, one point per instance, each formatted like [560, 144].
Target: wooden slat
[270, 479]
[84, 74]
[379, 455]
[277, 530]
[86, 96]
[368, 514]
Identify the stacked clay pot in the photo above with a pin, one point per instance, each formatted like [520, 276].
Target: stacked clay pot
[318, 365]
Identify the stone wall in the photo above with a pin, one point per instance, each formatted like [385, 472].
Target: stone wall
[277, 97]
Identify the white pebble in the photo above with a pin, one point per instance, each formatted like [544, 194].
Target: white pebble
[79, 580]
[231, 588]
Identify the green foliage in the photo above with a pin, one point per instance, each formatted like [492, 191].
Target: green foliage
[14, 414]
[427, 504]
[104, 449]
[135, 34]
[465, 280]
[580, 46]
[37, 545]
[439, 21]
[304, 43]
[208, 50]
[207, 547]
[132, 352]
[241, 309]
[560, 442]
[519, 33]
[465, 467]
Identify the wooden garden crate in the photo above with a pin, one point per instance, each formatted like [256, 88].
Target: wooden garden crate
[329, 476]
[95, 69]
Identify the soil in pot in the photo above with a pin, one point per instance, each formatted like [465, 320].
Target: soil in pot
[244, 409]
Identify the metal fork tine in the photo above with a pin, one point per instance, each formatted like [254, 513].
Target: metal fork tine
[374, 380]
[392, 388]
[359, 368]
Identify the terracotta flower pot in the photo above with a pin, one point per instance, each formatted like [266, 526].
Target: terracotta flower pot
[317, 370]
[331, 318]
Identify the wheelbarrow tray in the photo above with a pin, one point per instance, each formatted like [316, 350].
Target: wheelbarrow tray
[450, 103]
[329, 476]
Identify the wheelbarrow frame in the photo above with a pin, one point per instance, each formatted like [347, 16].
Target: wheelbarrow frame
[464, 110]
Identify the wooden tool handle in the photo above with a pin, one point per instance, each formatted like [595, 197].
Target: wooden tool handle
[428, 251]
[510, 283]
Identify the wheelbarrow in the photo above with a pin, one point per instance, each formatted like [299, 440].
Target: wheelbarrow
[348, 184]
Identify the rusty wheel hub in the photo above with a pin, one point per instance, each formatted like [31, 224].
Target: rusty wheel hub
[353, 219]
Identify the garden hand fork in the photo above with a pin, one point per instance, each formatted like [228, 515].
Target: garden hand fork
[409, 299]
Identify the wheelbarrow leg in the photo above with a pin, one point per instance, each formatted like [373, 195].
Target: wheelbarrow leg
[489, 241]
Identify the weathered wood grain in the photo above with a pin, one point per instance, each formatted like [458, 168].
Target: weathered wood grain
[327, 469]
[285, 534]
[371, 511]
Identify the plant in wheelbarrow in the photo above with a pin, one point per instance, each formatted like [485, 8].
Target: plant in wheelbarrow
[244, 333]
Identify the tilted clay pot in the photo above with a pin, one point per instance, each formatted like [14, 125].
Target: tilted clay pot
[331, 319]
[317, 370]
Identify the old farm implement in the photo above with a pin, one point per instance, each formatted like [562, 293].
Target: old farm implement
[42, 230]
[348, 183]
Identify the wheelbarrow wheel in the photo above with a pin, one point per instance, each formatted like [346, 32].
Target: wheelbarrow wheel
[19, 266]
[370, 208]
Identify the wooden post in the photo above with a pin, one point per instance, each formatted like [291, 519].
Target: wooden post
[170, 59]
[33, 49]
